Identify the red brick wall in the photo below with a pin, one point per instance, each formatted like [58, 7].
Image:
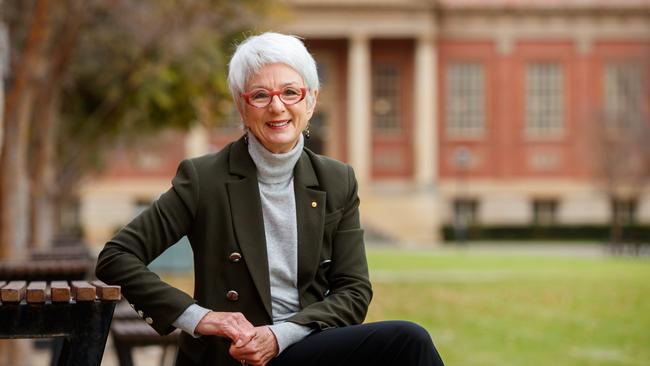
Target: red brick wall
[504, 151]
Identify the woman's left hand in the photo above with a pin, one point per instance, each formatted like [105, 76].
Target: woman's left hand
[259, 351]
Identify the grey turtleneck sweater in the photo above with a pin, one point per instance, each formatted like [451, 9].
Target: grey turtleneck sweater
[275, 181]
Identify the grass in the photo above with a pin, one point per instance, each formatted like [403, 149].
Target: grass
[499, 309]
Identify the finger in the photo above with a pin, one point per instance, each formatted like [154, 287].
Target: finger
[242, 339]
[231, 325]
[241, 353]
[246, 334]
[258, 352]
[245, 349]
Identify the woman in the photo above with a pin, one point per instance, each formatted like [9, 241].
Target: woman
[280, 270]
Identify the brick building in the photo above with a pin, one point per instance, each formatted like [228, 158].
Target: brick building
[473, 111]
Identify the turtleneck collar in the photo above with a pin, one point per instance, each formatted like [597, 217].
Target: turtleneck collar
[273, 168]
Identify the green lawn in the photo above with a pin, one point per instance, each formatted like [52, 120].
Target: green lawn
[499, 309]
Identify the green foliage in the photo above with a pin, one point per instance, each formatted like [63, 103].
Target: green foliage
[147, 65]
[144, 66]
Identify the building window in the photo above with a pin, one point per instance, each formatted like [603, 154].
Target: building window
[545, 211]
[624, 94]
[544, 99]
[465, 100]
[386, 98]
[465, 212]
[624, 211]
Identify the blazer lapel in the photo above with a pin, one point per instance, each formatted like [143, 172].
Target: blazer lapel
[246, 209]
[310, 211]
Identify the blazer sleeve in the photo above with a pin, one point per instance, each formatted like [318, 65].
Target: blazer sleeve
[124, 259]
[350, 290]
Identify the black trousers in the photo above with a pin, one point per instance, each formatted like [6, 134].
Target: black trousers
[397, 343]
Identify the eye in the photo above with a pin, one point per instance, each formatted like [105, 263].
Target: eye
[291, 92]
[259, 94]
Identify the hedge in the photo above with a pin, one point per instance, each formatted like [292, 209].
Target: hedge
[631, 233]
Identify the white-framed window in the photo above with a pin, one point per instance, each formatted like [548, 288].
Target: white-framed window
[545, 211]
[624, 97]
[544, 99]
[386, 100]
[465, 211]
[465, 99]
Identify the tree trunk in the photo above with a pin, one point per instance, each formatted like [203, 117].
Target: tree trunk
[3, 62]
[42, 223]
[41, 214]
[13, 181]
[2, 111]
[13, 170]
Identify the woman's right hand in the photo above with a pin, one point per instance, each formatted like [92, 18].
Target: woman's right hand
[230, 325]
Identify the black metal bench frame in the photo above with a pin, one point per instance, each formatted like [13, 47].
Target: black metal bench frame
[83, 326]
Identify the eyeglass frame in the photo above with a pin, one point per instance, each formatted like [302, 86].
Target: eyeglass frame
[272, 93]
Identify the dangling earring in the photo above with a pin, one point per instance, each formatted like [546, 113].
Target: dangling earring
[307, 133]
[246, 135]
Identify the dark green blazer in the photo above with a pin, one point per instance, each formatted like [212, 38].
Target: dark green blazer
[215, 201]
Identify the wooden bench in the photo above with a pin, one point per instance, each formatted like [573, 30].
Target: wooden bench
[128, 330]
[78, 311]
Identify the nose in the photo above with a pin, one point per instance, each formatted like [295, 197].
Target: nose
[276, 104]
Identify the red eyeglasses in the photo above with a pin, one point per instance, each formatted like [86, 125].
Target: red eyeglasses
[261, 98]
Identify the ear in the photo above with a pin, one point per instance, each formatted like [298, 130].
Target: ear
[310, 110]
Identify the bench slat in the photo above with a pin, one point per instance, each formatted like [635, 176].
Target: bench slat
[13, 292]
[36, 292]
[60, 291]
[106, 292]
[83, 291]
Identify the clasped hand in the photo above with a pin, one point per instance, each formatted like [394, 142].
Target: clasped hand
[253, 345]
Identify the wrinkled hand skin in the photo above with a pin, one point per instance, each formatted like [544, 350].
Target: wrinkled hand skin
[259, 351]
[228, 325]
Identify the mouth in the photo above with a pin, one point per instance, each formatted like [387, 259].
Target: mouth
[278, 124]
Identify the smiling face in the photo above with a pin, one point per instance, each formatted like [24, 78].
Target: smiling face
[277, 126]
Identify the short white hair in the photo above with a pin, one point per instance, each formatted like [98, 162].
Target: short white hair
[269, 48]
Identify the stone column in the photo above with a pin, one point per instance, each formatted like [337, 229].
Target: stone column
[425, 139]
[426, 131]
[359, 131]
